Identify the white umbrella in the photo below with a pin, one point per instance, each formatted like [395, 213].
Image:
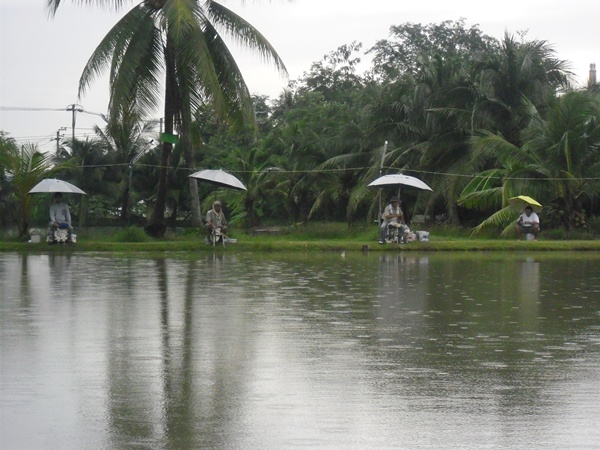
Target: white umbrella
[220, 178]
[399, 179]
[54, 185]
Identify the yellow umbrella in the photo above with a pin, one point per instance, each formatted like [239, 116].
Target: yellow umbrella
[520, 202]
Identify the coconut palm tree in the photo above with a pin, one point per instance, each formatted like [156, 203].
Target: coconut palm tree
[22, 168]
[517, 70]
[558, 162]
[424, 116]
[185, 42]
[126, 137]
[7, 145]
[87, 166]
[450, 97]
[255, 168]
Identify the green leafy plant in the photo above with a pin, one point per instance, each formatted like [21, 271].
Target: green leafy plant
[131, 234]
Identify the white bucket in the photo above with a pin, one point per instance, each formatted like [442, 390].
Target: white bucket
[423, 236]
[36, 238]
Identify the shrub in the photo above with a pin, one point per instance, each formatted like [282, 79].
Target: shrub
[594, 224]
[562, 234]
[131, 234]
[555, 234]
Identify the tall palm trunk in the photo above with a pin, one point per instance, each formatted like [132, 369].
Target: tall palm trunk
[125, 205]
[23, 223]
[195, 200]
[156, 227]
[188, 153]
[83, 211]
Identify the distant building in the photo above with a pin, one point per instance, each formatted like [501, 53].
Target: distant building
[592, 76]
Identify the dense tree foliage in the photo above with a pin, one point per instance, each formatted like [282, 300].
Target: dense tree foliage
[21, 168]
[185, 41]
[478, 119]
[557, 163]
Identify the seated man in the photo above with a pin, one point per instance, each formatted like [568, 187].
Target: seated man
[215, 220]
[60, 217]
[392, 215]
[528, 223]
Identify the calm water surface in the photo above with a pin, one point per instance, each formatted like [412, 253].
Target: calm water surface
[439, 351]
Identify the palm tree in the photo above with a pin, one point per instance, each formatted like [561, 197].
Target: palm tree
[88, 166]
[450, 97]
[254, 168]
[126, 138]
[526, 70]
[22, 168]
[558, 162]
[7, 145]
[423, 115]
[185, 42]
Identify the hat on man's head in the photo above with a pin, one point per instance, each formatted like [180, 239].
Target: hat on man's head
[216, 202]
[394, 199]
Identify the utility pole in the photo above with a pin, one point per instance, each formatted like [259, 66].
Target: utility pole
[131, 163]
[385, 144]
[75, 109]
[57, 139]
[592, 75]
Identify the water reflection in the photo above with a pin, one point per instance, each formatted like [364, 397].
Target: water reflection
[277, 351]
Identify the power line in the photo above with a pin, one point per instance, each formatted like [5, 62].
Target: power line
[284, 171]
[79, 108]
[69, 108]
[73, 108]
[26, 108]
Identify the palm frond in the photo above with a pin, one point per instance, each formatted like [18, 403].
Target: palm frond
[502, 218]
[244, 33]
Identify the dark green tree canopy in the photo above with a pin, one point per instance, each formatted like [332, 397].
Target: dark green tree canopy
[400, 54]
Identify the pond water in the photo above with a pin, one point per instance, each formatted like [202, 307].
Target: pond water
[225, 350]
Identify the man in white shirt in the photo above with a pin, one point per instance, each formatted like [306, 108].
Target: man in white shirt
[528, 223]
[60, 217]
[215, 220]
[392, 215]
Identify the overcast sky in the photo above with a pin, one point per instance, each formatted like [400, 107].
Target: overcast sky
[41, 59]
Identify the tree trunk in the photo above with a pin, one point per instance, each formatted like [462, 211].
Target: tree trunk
[453, 213]
[188, 153]
[195, 200]
[251, 217]
[156, 226]
[23, 227]
[125, 206]
[568, 209]
[23, 216]
[83, 211]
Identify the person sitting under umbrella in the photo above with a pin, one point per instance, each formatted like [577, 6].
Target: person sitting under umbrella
[528, 223]
[60, 217]
[215, 221]
[392, 215]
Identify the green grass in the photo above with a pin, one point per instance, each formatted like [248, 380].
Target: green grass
[313, 237]
[131, 234]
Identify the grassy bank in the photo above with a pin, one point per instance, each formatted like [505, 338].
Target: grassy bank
[314, 237]
[280, 245]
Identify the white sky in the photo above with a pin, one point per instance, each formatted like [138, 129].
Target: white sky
[41, 59]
